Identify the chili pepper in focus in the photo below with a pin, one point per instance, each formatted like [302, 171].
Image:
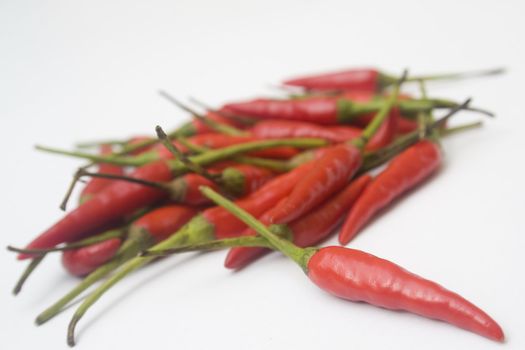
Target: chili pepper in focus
[358, 276]
[404, 172]
[308, 230]
[369, 79]
[95, 185]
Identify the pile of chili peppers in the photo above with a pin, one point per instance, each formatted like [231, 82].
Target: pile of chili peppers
[265, 175]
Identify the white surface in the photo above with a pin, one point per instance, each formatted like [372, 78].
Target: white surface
[90, 69]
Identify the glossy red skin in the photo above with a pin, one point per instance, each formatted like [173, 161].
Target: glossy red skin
[404, 172]
[269, 129]
[254, 178]
[217, 140]
[114, 202]
[96, 184]
[362, 79]
[226, 225]
[320, 110]
[82, 261]
[308, 230]
[358, 276]
[338, 164]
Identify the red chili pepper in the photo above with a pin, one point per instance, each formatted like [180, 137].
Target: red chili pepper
[404, 172]
[286, 128]
[114, 202]
[369, 79]
[308, 230]
[82, 261]
[327, 110]
[361, 79]
[226, 225]
[202, 128]
[357, 276]
[330, 174]
[338, 165]
[95, 185]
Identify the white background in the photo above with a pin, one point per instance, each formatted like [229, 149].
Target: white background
[81, 70]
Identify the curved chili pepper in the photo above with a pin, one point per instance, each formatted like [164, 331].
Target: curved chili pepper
[286, 128]
[95, 185]
[308, 230]
[404, 172]
[358, 276]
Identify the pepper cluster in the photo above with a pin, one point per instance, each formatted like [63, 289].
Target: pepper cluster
[265, 175]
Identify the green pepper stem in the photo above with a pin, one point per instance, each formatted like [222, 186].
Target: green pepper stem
[380, 116]
[461, 128]
[297, 254]
[246, 241]
[460, 75]
[110, 159]
[27, 272]
[93, 144]
[272, 164]
[383, 155]
[192, 166]
[127, 251]
[216, 155]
